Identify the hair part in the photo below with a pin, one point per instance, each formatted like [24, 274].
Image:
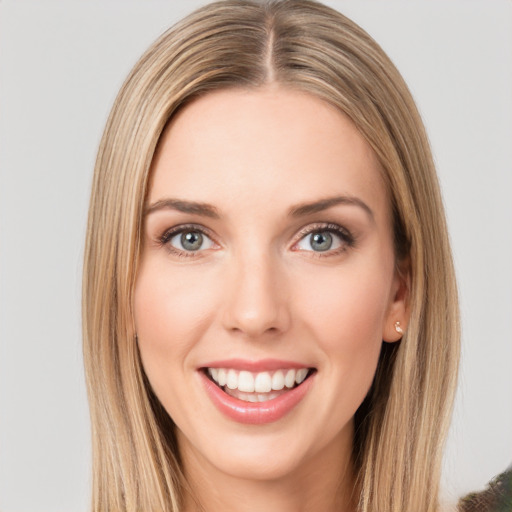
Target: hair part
[302, 45]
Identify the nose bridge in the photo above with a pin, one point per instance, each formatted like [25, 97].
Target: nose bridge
[255, 300]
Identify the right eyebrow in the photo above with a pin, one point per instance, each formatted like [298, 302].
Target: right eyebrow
[324, 204]
[204, 209]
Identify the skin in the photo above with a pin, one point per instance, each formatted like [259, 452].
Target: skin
[258, 290]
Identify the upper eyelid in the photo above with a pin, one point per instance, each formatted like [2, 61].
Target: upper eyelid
[306, 230]
[346, 236]
[321, 226]
[165, 238]
[176, 230]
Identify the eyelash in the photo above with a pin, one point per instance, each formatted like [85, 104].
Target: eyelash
[171, 233]
[347, 239]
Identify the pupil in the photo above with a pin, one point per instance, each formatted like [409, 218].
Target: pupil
[192, 240]
[321, 241]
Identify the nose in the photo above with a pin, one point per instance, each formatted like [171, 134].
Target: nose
[256, 302]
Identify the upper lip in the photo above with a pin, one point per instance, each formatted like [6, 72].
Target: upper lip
[260, 365]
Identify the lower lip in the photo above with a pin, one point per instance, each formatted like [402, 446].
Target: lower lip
[257, 413]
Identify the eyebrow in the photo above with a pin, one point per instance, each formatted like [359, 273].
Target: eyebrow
[324, 204]
[301, 210]
[204, 209]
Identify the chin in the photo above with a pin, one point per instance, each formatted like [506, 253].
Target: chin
[259, 464]
[270, 455]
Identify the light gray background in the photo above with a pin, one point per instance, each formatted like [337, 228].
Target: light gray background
[61, 64]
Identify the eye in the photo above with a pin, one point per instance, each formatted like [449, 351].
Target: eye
[327, 238]
[319, 241]
[187, 240]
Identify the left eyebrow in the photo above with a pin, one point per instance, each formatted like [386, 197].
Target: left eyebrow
[323, 204]
[204, 209]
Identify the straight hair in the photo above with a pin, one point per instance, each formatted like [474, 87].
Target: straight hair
[303, 45]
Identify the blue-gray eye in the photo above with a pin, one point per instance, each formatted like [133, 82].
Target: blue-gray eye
[321, 241]
[191, 241]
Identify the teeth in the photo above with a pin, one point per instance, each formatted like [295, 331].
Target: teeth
[278, 380]
[232, 380]
[222, 377]
[301, 375]
[263, 382]
[252, 397]
[245, 382]
[289, 380]
[257, 383]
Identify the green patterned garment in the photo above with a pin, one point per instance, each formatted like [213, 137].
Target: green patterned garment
[496, 498]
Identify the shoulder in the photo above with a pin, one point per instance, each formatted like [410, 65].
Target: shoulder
[497, 497]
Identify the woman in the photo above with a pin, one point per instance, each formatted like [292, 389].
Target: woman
[270, 312]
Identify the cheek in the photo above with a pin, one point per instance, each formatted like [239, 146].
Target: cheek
[345, 317]
[345, 313]
[172, 310]
[345, 306]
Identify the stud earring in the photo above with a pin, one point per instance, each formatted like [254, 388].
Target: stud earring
[398, 328]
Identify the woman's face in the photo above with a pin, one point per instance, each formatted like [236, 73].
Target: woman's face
[268, 261]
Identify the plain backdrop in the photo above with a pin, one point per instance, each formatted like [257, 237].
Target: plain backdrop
[61, 64]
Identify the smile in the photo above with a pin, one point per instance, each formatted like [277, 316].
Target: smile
[257, 387]
[256, 397]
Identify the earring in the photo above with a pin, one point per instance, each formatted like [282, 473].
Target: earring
[398, 328]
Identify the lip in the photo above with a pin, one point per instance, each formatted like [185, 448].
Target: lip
[255, 413]
[256, 366]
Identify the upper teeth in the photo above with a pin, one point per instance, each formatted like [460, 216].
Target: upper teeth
[262, 382]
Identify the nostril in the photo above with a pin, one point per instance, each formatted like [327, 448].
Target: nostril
[253, 303]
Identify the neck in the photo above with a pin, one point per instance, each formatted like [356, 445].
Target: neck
[325, 483]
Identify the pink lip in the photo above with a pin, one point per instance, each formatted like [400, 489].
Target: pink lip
[256, 366]
[257, 413]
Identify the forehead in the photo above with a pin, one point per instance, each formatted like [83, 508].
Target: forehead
[264, 149]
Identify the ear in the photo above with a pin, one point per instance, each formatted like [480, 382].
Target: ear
[397, 316]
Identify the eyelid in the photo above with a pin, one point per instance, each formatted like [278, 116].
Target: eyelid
[170, 233]
[347, 239]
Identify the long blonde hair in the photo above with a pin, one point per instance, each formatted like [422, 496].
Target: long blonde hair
[402, 424]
